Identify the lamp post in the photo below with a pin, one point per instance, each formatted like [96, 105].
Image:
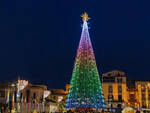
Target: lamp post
[13, 94]
[17, 95]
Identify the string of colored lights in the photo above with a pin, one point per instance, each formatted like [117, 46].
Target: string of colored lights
[85, 87]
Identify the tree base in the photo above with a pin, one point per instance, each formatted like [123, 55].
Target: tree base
[84, 110]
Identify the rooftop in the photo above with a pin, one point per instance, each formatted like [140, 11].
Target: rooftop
[114, 73]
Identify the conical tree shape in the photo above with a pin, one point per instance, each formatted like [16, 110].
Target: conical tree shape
[85, 87]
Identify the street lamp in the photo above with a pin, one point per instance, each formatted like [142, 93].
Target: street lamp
[16, 87]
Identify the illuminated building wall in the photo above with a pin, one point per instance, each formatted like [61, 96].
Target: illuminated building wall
[114, 88]
[132, 95]
[58, 95]
[136, 95]
[143, 88]
[28, 92]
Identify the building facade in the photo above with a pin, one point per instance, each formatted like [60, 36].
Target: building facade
[25, 97]
[143, 95]
[120, 92]
[23, 90]
[114, 89]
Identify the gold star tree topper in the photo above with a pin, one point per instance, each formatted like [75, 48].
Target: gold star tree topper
[85, 17]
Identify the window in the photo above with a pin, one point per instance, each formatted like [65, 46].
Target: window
[2, 93]
[119, 106]
[142, 88]
[27, 96]
[34, 95]
[120, 97]
[131, 96]
[119, 89]
[143, 96]
[119, 80]
[110, 97]
[54, 97]
[143, 105]
[110, 89]
[149, 97]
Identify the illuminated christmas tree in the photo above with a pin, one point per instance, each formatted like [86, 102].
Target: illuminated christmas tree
[85, 88]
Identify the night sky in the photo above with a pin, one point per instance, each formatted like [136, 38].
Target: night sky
[39, 38]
